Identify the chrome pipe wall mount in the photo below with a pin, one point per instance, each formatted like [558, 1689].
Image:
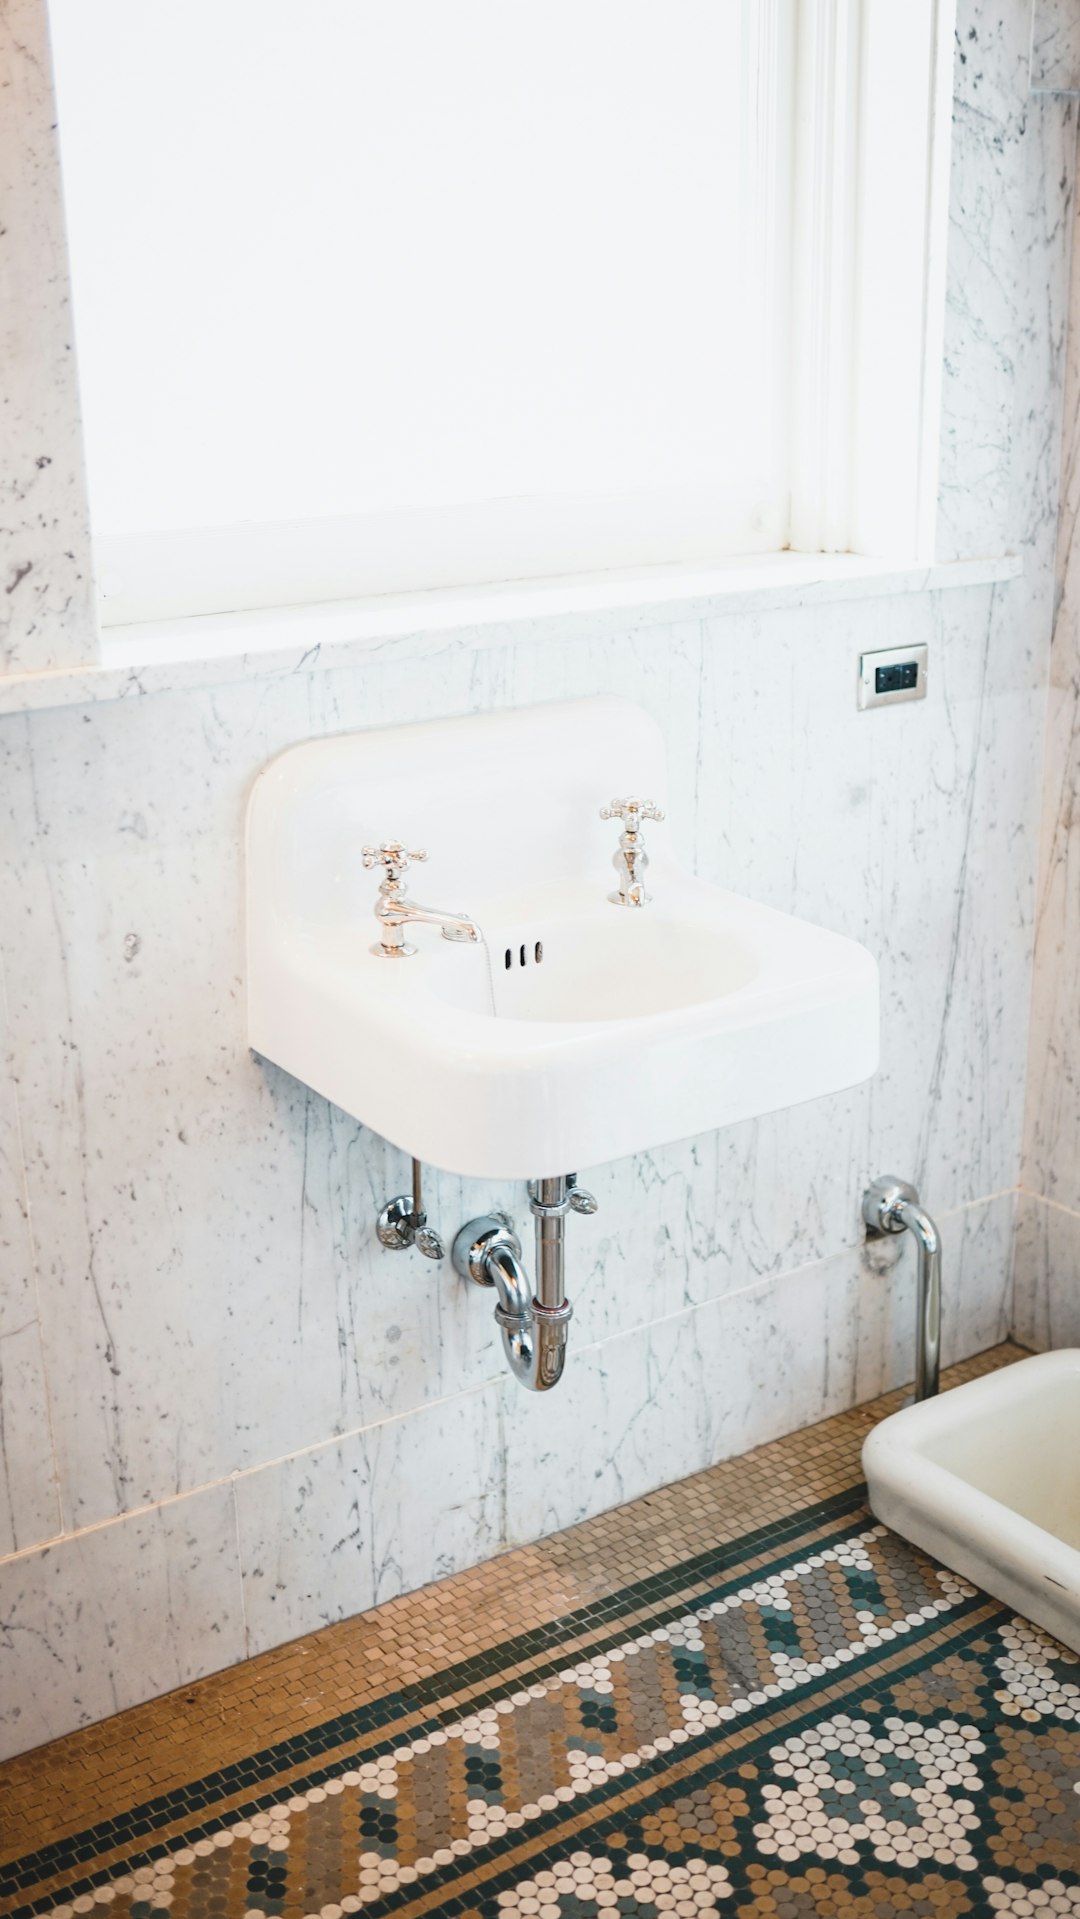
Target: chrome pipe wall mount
[892, 1206]
[533, 1323]
[404, 1222]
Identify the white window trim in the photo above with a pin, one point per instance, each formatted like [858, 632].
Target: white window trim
[871, 210]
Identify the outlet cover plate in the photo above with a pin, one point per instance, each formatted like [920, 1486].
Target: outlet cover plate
[893, 674]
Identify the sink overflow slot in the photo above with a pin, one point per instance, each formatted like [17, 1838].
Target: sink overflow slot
[523, 956]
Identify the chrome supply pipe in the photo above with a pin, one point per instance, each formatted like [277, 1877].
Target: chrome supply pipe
[533, 1324]
[892, 1206]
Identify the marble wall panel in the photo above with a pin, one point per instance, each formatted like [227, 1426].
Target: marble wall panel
[119, 1611]
[1052, 1138]
[921, 842]
[117, 1615]
[380, 1512]
[46, 596]
[342, 1526]
[1012, 174]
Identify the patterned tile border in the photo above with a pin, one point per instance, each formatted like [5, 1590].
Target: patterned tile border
[299, 1755]
[465, 1785]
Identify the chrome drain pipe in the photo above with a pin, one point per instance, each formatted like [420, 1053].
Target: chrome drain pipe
[892, 1206]
[534, 1325]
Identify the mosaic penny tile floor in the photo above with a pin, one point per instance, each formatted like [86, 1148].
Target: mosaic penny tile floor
[798, 1716]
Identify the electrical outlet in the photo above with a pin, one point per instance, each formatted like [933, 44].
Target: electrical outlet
[896, 673]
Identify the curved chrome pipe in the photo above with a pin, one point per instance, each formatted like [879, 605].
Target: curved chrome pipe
[533, 1325]
[892, 1206]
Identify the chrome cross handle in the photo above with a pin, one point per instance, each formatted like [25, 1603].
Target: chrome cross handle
[393, 856]
[631, 858]
[632, 811]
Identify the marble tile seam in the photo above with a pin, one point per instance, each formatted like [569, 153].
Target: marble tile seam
[1043, 1199]
[234, 1504]
[34, 1264]
[493, 1379]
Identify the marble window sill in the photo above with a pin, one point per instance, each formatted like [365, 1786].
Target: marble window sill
[214, 650]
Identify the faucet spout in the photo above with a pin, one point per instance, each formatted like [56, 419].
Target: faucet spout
[394, 912]
[407, 912]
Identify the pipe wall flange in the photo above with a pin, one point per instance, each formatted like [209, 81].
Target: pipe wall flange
[475, 1243]
[881, 1204]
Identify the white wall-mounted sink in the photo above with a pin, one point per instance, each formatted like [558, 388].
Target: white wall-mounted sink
[632, 1027]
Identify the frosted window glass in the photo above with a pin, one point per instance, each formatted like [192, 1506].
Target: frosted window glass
[364, 256]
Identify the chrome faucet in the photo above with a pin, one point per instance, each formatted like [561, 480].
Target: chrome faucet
[394, 912]
[631, 858]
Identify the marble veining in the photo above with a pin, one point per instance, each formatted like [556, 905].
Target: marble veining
[47, 616]
[1011, 191]
[1055, 46]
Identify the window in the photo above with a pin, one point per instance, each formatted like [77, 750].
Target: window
[375, 295]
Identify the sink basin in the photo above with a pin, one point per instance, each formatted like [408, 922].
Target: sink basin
[579, 1030]
[987, 1479]
[592, 967]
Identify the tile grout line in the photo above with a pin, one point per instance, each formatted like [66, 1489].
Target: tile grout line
[240, 1570]
[35, 1271]
[1043, 1199]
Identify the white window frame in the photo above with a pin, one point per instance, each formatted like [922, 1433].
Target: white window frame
[874, 105]
[865, 275]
